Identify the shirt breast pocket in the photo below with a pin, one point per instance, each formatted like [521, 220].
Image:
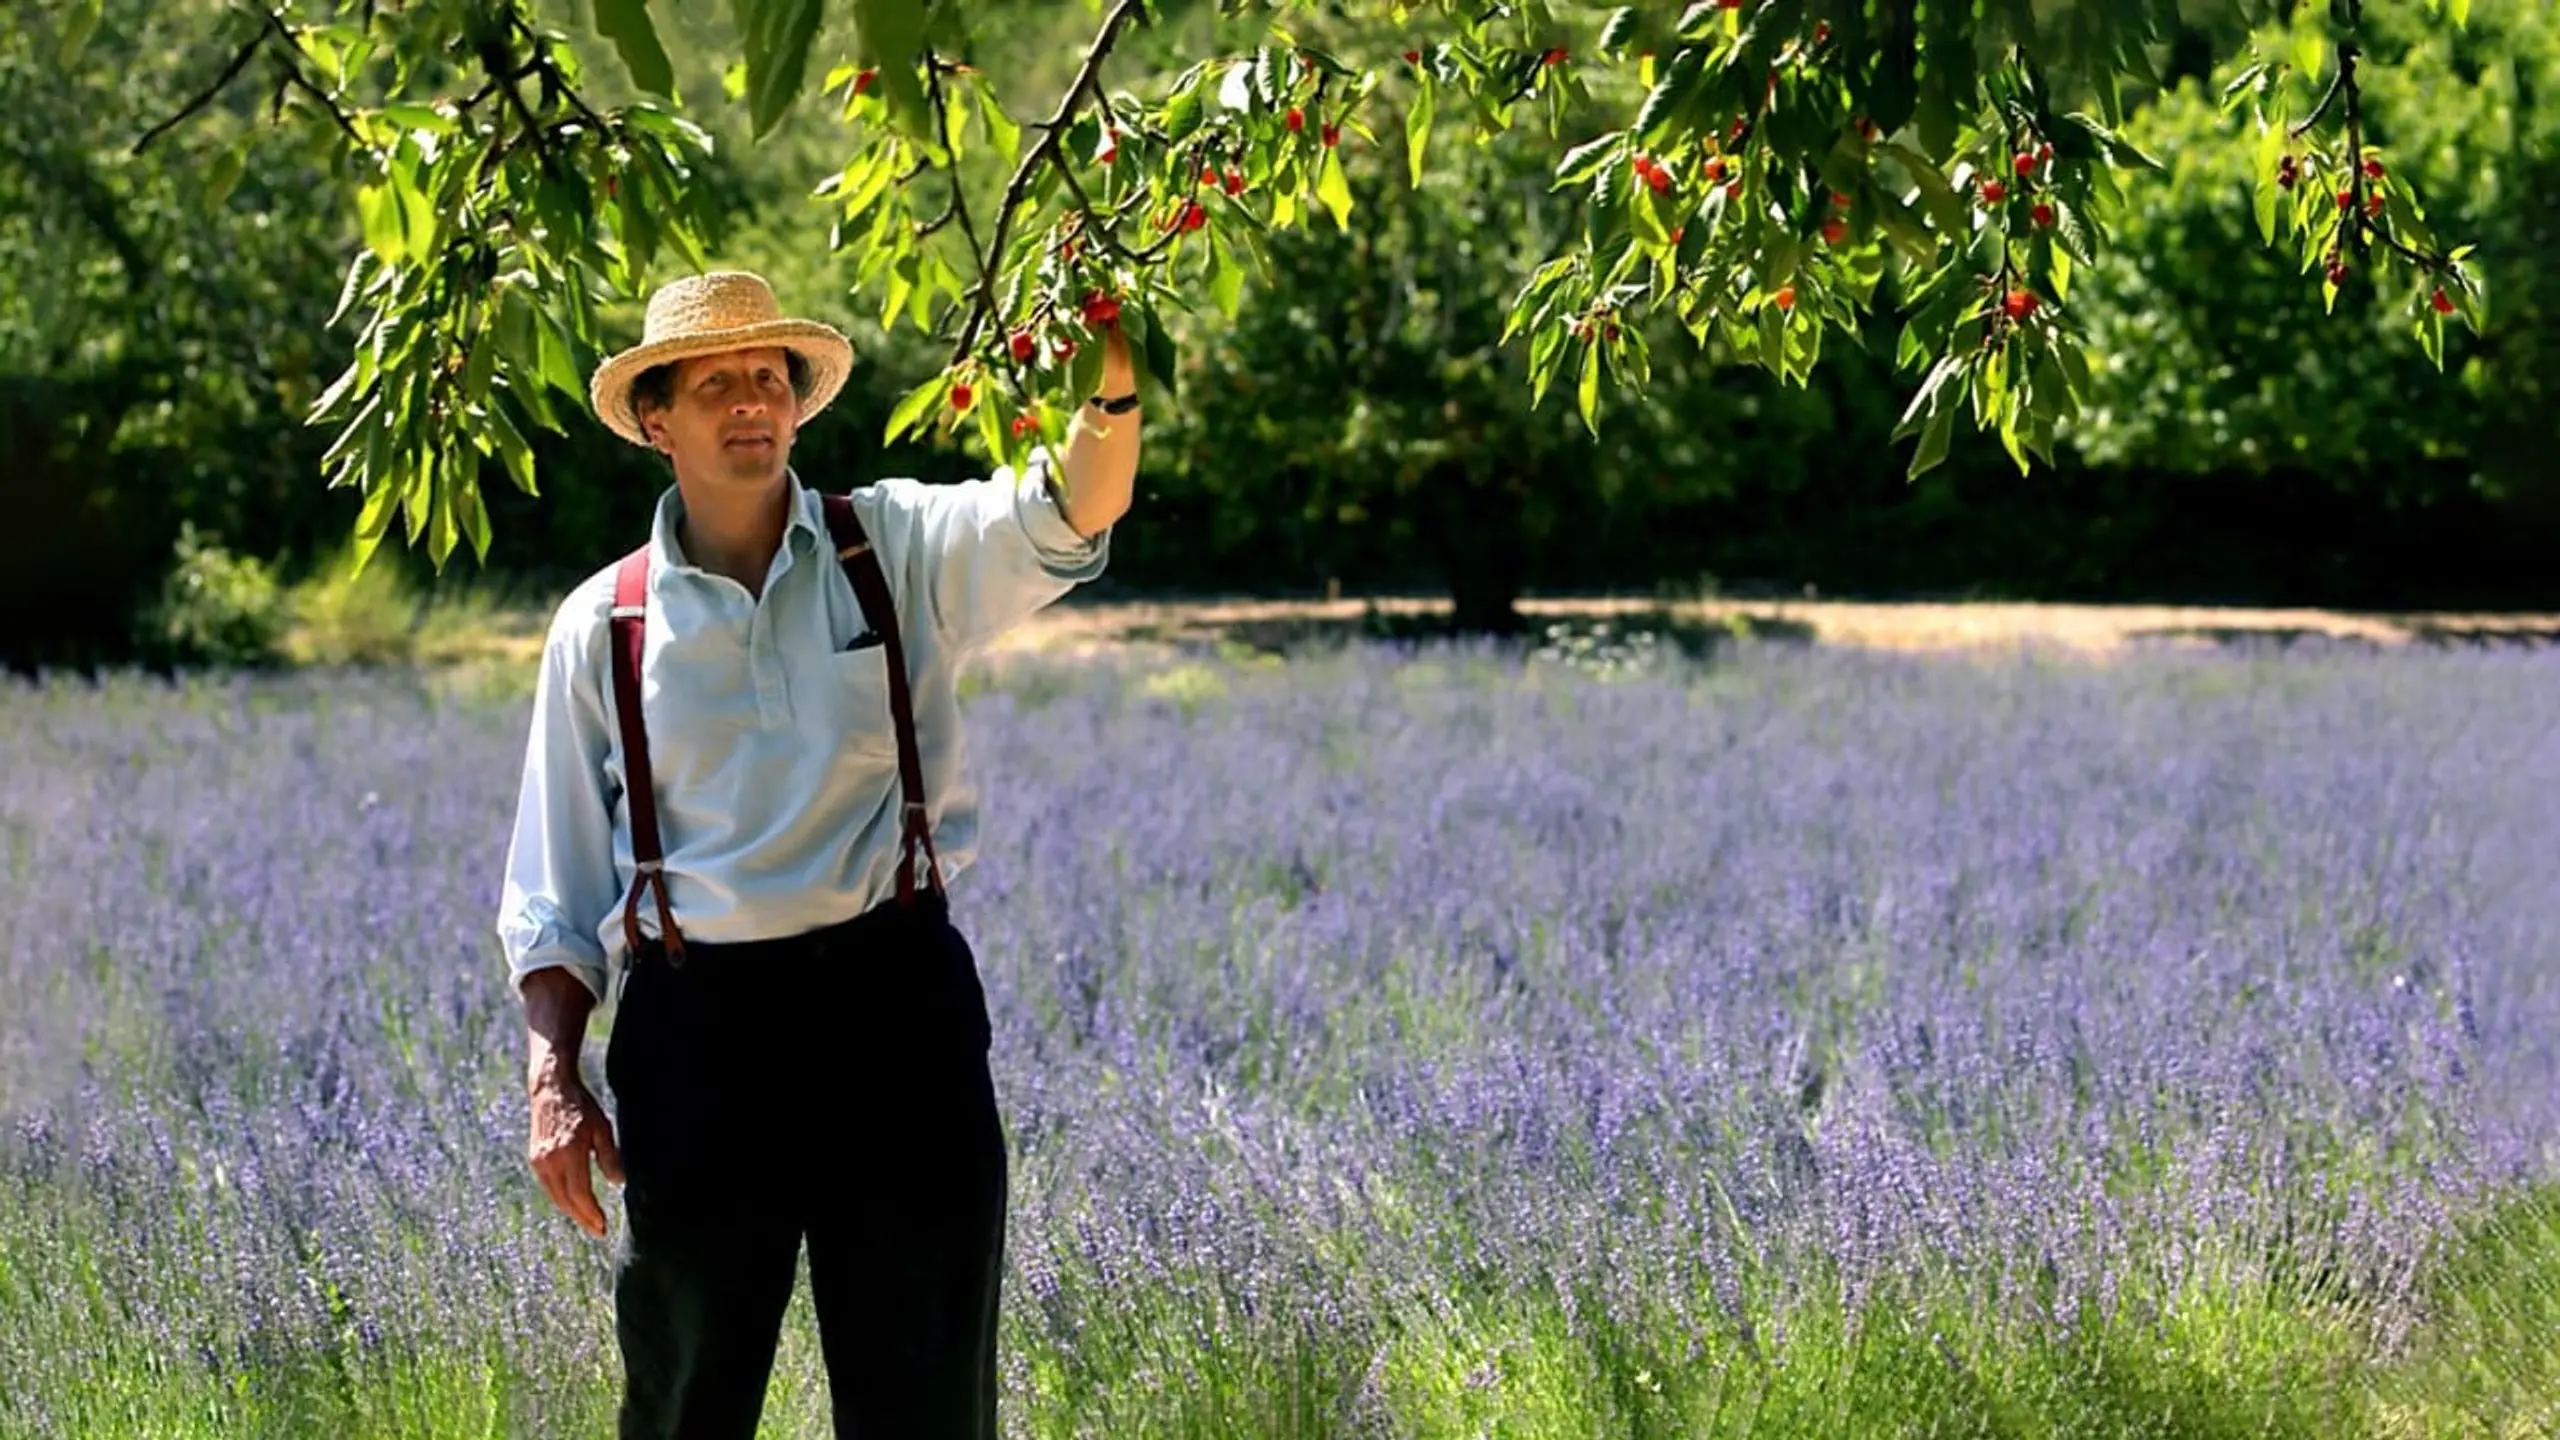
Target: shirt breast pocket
[855, 706]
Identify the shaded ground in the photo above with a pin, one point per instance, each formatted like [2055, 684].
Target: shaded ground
[2098, 629]
[1169, 628]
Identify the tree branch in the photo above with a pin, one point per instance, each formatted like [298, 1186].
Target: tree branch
[230, 73]
[1052, 131]
[550, 70]
[1093, 220]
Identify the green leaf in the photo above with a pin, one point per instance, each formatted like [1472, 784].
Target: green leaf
[639, 228]
[2270, 154]
[626, 23]
[1670, 94]
[1160, 357]
[2461, 11]
[1002, 132]
[1587, 391]
[1226, 278]
[777, 34]
[1934, 439]
[78, 25]
[1417, 128]
[890, 35]
[417, 212]
[378, 210]
[472, 516]
[224, 173]
[419, 117]
[1584, 160]
[1334, 190]
[914, 406]
[559, 363]
[2117, 150]
[1084, 372]
[1928, 400]
[1937, 196]
[1545, 348]
[513, 452]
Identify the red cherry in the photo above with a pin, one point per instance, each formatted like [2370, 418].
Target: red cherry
[1413, 57]
[2346, 199]
[1728, 4]
[862, 80]
[1786, 297]
[1715, 167]
[1024, 347]
[2373, 169]
[1821, 32]
[2024, 164]
[613, 187]
[1296, 119]
[1834, 231]
[2442, 302]
[1208, 174]
[1610, 334]
[2020, 304]
[2042, 214]
[1733, 191]
[2286, 173]
[1678, 233]
[2373, 204]
[1193, 217]
[1993, 192]
[1557, 56]
[2045, 151]
[2338, 272]
[1332, 136]
[1023, 425]
[1101, 309]
[1840, 200]
[1235, 182]
[961, 395]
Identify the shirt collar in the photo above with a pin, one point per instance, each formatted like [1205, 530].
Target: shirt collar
[802, 504]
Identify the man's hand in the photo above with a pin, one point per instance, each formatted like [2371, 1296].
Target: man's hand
[569, 1127]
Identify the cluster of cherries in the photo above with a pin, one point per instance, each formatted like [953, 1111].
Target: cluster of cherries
[2020, 303]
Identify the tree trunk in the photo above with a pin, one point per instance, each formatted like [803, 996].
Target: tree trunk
[1475, 533]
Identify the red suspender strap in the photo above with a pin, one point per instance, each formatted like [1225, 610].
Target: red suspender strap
[630, 634]
[871, 587]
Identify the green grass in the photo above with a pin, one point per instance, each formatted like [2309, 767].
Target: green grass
[2202, 1366]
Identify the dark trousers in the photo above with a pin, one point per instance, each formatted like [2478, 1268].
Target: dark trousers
[831, 1087]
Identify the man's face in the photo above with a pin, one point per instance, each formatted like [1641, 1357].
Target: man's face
[732, 419]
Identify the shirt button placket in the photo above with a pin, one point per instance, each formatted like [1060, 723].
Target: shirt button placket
[764, 663]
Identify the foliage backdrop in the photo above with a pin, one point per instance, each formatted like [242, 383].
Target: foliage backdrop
[164, 326]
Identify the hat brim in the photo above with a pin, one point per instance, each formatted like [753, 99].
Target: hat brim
[829, 355]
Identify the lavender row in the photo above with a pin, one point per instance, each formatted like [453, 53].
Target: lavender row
[1378, 982]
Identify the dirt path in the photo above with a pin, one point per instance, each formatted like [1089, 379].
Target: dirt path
[1152, 625]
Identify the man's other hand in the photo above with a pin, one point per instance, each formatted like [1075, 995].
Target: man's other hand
[570, 1130]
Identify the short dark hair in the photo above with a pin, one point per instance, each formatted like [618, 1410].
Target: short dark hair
[656, 386]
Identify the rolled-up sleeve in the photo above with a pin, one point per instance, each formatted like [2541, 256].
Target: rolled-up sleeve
[992, 552]
[560, 878]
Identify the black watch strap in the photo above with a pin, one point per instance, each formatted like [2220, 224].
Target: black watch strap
[1117, 405]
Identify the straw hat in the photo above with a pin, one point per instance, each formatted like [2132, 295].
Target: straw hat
[704, 315]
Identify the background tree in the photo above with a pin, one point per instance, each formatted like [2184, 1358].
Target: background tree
[1765, 155]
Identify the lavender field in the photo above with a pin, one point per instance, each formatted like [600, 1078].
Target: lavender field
[1432, 1044]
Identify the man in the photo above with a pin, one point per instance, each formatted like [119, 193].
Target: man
[799, 1048]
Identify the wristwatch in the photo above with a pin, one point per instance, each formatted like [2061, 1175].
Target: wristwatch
[1117, 405]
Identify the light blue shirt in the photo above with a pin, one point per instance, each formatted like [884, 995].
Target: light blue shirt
[775, 757]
